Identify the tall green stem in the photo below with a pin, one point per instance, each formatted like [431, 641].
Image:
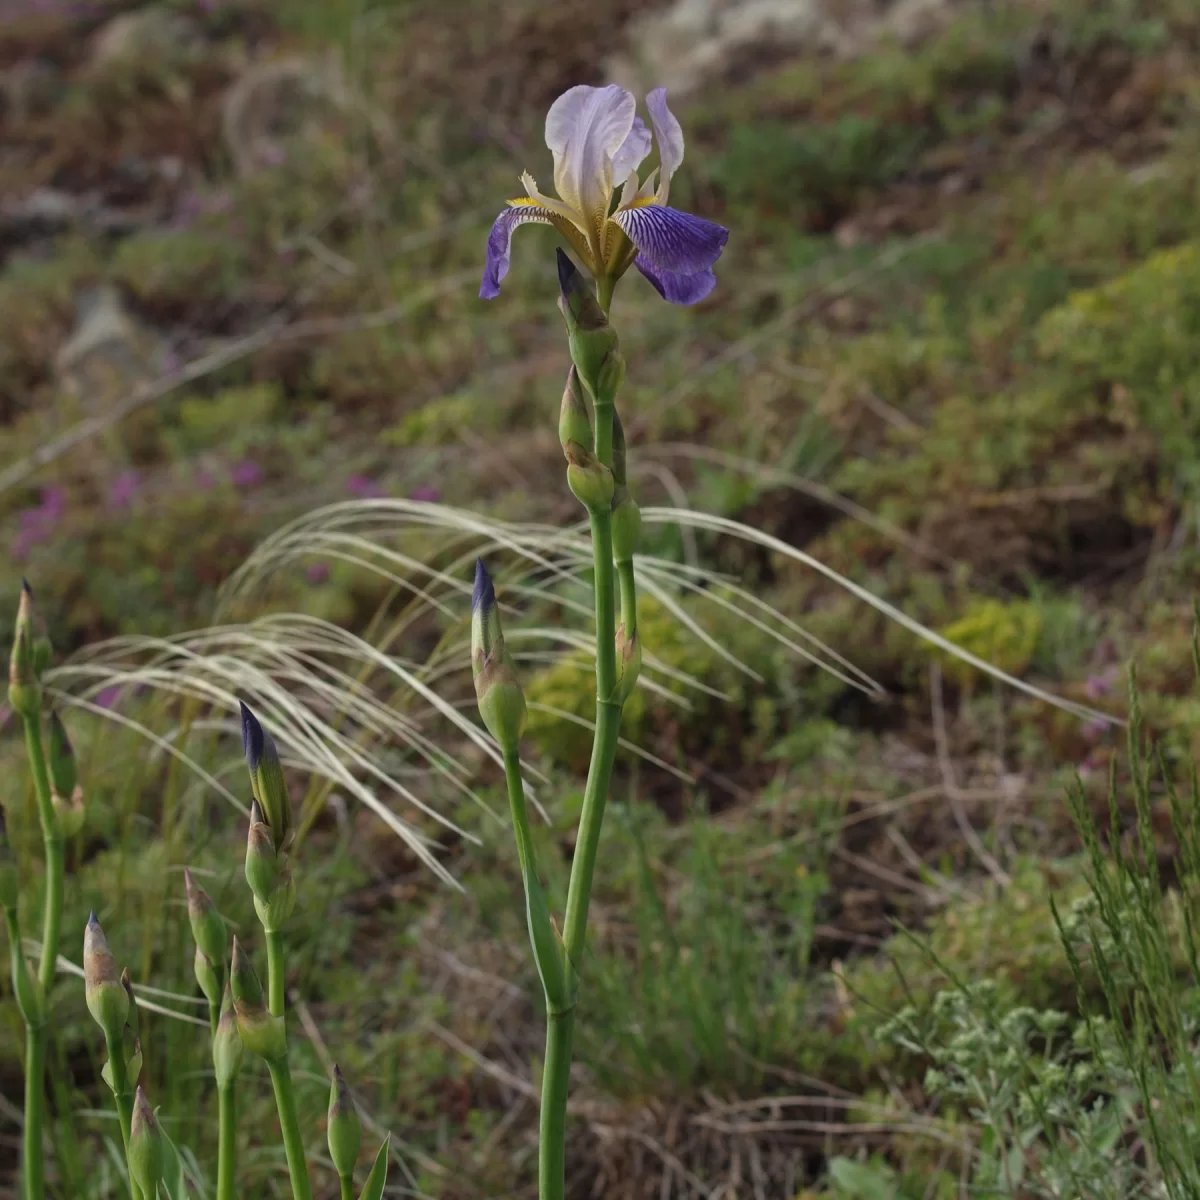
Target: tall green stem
[35, 1070]
[289, 1124]
[226, 1140]
[347, 1187]
[275, 973]
[119, 1074]
[552, 1129]
[35, 1067]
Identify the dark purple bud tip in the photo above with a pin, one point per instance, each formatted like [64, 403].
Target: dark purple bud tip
[568, 277]
[25, 582]
[483, 598]
[92, 919]
[253, 739]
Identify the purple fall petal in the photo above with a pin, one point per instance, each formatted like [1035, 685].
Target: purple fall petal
[673, 241]
[499, 245]
[679, 287]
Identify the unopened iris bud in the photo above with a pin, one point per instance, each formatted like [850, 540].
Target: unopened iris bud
[590, 481]
[626, 526]
[70, 814]
[227, 1044]
[593, 341]
[10, 883]
[262, 863]
[208, 927]
[24, 693]
[345, 1127]
[574, 424]
[207, 977]
[145, 1147]
[261, 1033]
[629, 665]
[60, 758]
[26, 990]
[497, 690]
[266, 777]
[107, 1000]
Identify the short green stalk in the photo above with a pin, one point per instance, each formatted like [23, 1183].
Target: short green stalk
[123, 1097]
[226, 1140]
[275, 972]
[289, 1124]
[35, 1070]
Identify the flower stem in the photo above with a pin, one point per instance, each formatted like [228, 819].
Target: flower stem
[226, 1140]
[35, 1069]
[347, 1187]
[275, 973]
[119, 1074]
[552, 1131]
[289, 1125]
[628, 595]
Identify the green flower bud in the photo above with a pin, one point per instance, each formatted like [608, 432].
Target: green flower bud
[24, 692]
[626, 525]
[266, 778]
[497, 689]
[590, 481]
[593, 341]
[227, 1044]
[26, 989]
[629, 665]
[208, 927]
[278, 906]
[60, 757]
[10, 882]
[262, 862]
[145, 1147]
[261, 1033]
[377, 1180]
[207, 977]
[131, 1022]
[345, 1127]
[574, 424]
[69, 815]
[107, 1000]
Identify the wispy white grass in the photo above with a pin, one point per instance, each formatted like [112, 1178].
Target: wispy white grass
[393, 725]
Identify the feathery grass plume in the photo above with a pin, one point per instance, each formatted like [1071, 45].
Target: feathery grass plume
[145, 1147]
[261, 1033]
[501, 700]
[107, 999]
[227, 1047]
[344, 1126]
[24, 693]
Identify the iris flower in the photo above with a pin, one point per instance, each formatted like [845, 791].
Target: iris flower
[598, 143]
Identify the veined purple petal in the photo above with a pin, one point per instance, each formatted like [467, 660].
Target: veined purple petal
[499, 244]
[669, 135]
[678, 287]
[672, 240]
[585, 127]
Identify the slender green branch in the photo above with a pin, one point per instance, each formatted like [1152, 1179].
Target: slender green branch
[52, 919]
[289, 1124]
[552, 1131]
[35, 1070]
[124, 1100]
[347, 1187]
[226, 1140]
[275, 972]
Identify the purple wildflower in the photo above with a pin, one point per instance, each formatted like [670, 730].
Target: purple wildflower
[317, 572]
[425, 493]
[246, 474]
[123, 489]
[364, 487]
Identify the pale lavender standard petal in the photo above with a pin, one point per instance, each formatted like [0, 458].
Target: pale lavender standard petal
[499, 245]
[676, 286]
[632, 151]
[585, 127]
[669, 135]
[672, 240]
